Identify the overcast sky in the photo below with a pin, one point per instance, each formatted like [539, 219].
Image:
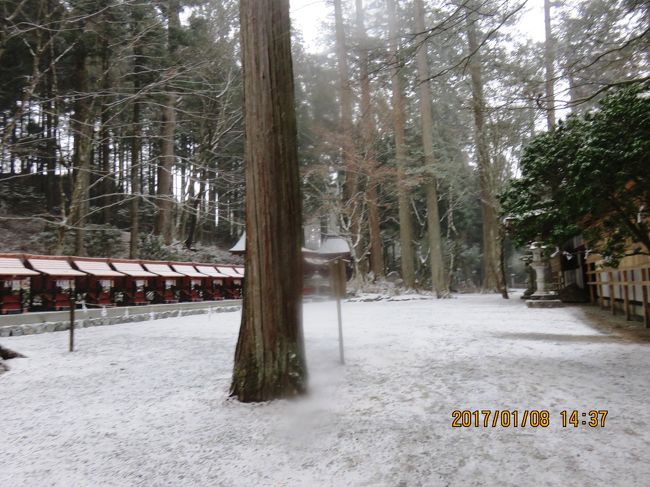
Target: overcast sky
[308, 16]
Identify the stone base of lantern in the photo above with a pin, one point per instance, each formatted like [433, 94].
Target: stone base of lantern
[544, 300]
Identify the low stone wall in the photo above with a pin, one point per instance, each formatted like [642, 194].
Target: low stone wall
[86, 322]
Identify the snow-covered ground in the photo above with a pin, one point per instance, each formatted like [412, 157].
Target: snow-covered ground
[146, 404]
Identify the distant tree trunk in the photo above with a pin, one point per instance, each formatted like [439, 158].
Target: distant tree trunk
[211, 226]
[345, 99]
[193, 217]
[51, 123]
[151, 173]
[185, 195]
[202, 208]
[405, 223]
[438, 281]
[489, 214]
[134, 242]
[164, 220]
[136, 141]
[353, 213]
[502, 263]
[224, 223]
[549, 60]
[270, 361]
[453, 242]
[12, 154]
[369, 156]
[574, 96]
[104, 137]
[82, 128]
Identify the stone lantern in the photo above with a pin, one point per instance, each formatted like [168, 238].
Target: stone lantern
[539, 264]
[542, 297]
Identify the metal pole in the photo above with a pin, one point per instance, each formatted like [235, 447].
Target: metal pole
[72, 305]
[338, 311]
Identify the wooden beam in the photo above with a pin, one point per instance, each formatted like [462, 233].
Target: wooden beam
[612, 300]
[644, 292]
[626, 297]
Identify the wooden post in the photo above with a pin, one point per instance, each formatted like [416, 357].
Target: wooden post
[626, 297]
[612, 299]
[601, 289]
[644, 292]
[338, 283]
[591, 283]
[340, 319]
[72, 306]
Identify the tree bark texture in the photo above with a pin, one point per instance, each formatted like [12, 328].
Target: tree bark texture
[211, 225]
[269, 360]
[134, 243]
[83, 134]
[438, 281]
[369, 154]
[405, 223]
[51, 122]
[489, 213]
[104, 137]
[352, 206]
[165, 193]
[164, 219]
[345, 100]
[136, 145]
[193, 216]
[549, 60]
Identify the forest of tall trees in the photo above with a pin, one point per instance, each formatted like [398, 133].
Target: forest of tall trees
[122, 133]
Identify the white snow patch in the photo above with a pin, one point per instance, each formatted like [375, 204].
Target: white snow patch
[147, 404]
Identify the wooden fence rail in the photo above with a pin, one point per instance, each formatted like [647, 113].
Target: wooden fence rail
[626, 289]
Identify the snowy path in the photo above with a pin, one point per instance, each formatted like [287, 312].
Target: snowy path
[145, 404]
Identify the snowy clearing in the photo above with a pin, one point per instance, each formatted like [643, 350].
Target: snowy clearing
[146, 404]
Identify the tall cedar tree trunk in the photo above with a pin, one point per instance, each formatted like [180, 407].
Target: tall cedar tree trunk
[224, 224]
[51, 122]
[369, 156]
[134, 243]
[203, 209]
[136, 143]
[186, 194]
[453, 244]
[164, 220]
[438, 281]
[491, 259]
[352, 207]
[211, 227]
[194, 211]
[270, 359]
[104, 136]
[549, 59]
[83, 133]
[405, 223]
